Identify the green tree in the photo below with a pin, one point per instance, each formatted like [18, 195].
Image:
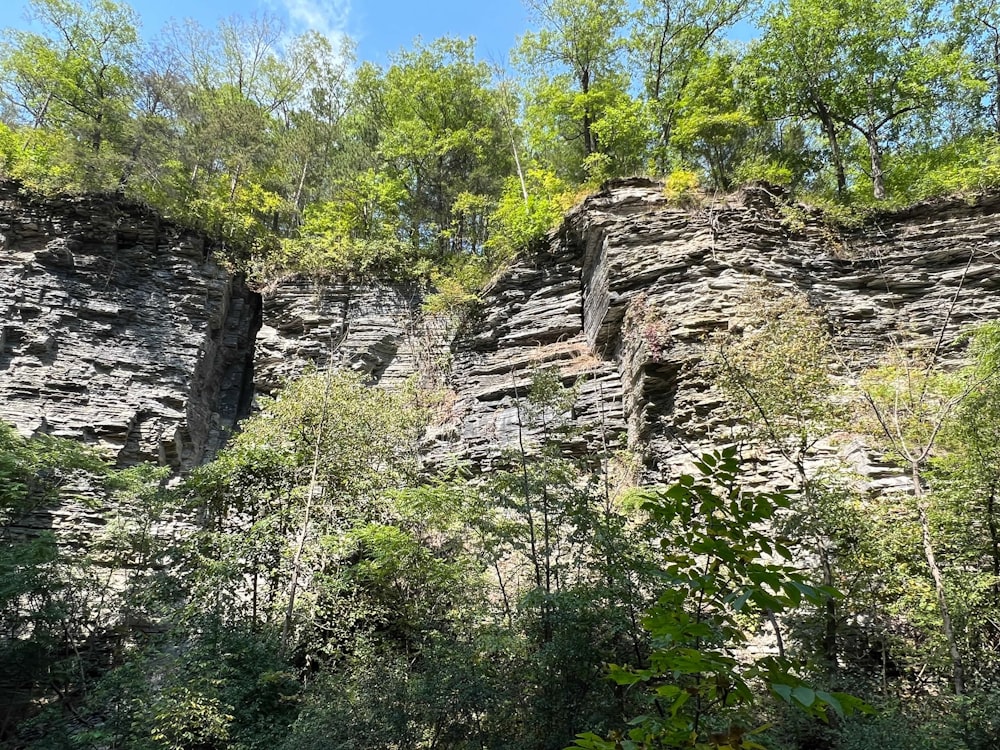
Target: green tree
[870, 68]
[711, 126]
[977, 27]
[316, 463]
[912, 402]
[78, 76]
[577, 47]
[670, 38]
[442, 137]
[235, 163]
[776, 373]
[722, 572]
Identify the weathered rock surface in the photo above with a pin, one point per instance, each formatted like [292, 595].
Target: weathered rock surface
[118, 328]
[376, 330]
[896, 282]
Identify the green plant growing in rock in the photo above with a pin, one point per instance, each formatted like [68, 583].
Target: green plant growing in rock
[523, 218]
[682, 187]
[776, 367]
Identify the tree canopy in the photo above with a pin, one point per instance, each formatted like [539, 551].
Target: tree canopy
[301, 159]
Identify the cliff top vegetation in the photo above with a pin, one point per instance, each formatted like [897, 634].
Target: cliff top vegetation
[440, 166]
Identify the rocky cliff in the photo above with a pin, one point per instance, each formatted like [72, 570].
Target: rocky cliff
[624, 256]
[120, 329]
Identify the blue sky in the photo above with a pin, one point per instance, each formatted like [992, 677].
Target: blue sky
[380, 27]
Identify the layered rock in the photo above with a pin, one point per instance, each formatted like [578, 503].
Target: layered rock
[374, 329]
[904, 280]
[119, 329]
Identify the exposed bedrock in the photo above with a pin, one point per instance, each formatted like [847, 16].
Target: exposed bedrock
[119, 329]
[374, 329]
[895, 282]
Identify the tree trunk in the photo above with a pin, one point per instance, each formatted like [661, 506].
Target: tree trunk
[830, 129]
[301, 186]
[234, 183]
[293, 584]
[878, 175]
[589, 142]
[958, 669]
[994, 32]
[991, 524]
[829, 614]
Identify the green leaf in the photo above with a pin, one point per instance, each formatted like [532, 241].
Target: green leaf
[782, 691]
[804, 695]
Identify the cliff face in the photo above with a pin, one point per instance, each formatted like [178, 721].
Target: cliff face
[118, 329]
[373, 329]
[625, 256]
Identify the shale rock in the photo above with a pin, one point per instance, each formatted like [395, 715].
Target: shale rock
[119, 329]
[374, 329]
[625, 254]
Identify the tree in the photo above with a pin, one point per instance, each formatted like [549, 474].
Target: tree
[317, 462]
[314, 139]
[867, 67]
[974, 437]
[776, 374]
[68, 612]
[435, 129]
[79, 76]
[578, 48]
[977, 23]
[720, 570]
[244, 140]
[669, 39]
[710, 124]
[913, 402]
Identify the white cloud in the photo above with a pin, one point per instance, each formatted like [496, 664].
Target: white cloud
[328, 17]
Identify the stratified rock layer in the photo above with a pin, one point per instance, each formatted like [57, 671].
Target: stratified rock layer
[117, 328]
[374, 329]
[904, 280]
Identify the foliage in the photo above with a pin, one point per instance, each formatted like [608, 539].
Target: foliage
[331, 593]
[711, 126]
[668, 42]
[719, 574]
[352, 236]
[574, 61]
[682, 187]
[518, 222]
[456, 286]
[315, 463]
[775, 370]
[858, 69]
[966, 165]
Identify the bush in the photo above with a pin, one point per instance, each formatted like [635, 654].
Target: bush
[682, 187]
